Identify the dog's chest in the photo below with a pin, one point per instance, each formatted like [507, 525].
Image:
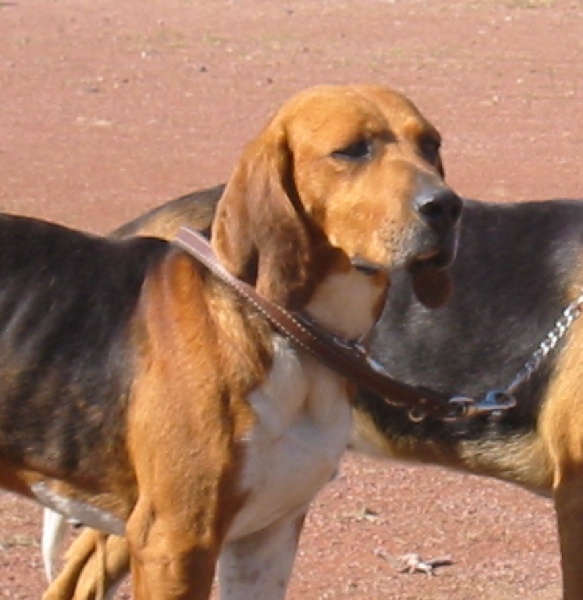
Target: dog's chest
[303, 423]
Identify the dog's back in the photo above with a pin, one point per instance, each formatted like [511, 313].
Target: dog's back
[196, 209]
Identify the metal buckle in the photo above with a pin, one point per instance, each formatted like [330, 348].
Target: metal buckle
[494, 404]
[416, 414]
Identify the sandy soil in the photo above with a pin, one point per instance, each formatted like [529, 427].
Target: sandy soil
[109, 108]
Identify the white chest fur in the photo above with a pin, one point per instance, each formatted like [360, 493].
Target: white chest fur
[303, 424]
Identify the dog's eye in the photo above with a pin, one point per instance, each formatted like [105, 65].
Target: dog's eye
[357, 151]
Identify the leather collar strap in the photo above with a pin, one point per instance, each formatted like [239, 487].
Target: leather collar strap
[347, 358]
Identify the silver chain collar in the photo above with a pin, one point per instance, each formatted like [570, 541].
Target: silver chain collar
[496, 402]
[550, 342]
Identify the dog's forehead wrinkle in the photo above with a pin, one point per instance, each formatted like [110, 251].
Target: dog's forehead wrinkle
[341, 121]
[333, 130]
[337, 123]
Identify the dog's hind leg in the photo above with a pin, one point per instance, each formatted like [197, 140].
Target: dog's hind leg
[63, 587]
[260, 564]
[110, 571]
[87, 573]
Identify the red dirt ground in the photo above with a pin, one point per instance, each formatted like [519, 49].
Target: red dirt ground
[108, 108]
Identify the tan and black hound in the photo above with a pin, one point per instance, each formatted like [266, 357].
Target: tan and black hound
[142, 396]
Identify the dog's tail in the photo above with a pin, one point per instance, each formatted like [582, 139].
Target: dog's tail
[53, 532]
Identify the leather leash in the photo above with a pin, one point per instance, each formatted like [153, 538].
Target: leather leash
[346, 357]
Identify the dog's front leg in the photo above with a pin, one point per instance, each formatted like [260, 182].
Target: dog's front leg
[260, 564]
[169, 560]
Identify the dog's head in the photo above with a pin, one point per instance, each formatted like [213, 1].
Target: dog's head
[351, 171]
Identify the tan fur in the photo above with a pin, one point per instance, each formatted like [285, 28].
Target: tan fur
[186, 512]
[524, 461]
[291, 221]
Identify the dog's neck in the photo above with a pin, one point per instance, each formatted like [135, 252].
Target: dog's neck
[348, 303]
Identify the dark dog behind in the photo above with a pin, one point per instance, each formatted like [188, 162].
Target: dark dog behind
[518, 267]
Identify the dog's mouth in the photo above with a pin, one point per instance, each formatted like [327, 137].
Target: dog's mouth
[439, 255]
[438, 258]
[429, 272]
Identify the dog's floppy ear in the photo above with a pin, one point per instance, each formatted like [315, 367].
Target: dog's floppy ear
[258, 233]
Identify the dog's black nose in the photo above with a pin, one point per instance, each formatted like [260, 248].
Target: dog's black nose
[440, 209]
